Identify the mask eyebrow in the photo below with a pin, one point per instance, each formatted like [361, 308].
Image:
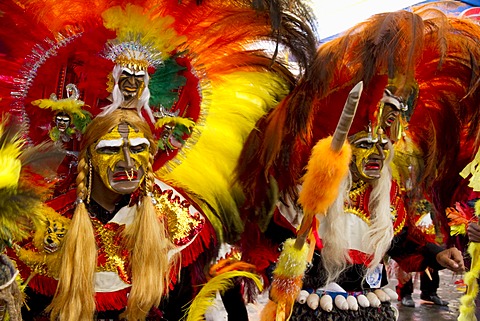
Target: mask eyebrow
[139, 141]
[109, 143]
[362, 140]
[128, 71]
[133, 73]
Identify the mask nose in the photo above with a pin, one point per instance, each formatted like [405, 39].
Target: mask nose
[380, 150]
[131, 81]
[126, 155]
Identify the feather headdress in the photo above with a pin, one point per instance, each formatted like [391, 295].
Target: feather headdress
[382, 52]
[206, 84]
[413, 55]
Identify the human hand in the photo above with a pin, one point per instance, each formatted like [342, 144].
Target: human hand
[452, 259]
[473, 232]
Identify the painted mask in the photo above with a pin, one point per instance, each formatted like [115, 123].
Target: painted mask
[62, 121]
[131, 83]
[391, 108]
[368, 155]
[121, 158]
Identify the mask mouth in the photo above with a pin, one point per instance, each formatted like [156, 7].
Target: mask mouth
[62, 126]
[125, 175]
[50, 247]
[373, 165]
[392, 116]
[129, 92]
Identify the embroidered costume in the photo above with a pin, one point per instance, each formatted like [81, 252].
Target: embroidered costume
[188, 230]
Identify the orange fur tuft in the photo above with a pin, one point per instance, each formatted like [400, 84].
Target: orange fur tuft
[325, 171]
[268, 312]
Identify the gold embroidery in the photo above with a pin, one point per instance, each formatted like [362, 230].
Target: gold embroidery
[182, 224]
[111, 256]
[358, 212]
[356, 195]
[357, 189]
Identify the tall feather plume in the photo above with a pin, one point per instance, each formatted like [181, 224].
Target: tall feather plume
[446, 107]
[289, 23]
[218, 48]
[388, 45]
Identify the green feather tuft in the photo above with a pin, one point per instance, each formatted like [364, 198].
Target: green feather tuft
[164, 84]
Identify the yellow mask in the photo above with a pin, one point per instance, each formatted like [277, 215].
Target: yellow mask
[120, 158]
[368, 155]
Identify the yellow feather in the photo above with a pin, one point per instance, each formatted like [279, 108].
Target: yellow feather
[134, 23]
[205, 165]
[458, 230]
[9, 170]
[10, 165]
[207, 294]
[71, 106]
[175, 120]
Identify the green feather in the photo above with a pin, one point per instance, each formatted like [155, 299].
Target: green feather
[164, 84]
[81, 122]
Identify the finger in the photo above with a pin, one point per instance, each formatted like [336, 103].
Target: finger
[454, 266]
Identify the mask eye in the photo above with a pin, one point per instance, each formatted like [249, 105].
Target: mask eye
[109, 150]
[384, 146]
[364, 145]
[138, 149]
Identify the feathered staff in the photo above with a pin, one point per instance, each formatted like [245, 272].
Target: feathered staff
[327, 167]
[21, 204]
[467, 307]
